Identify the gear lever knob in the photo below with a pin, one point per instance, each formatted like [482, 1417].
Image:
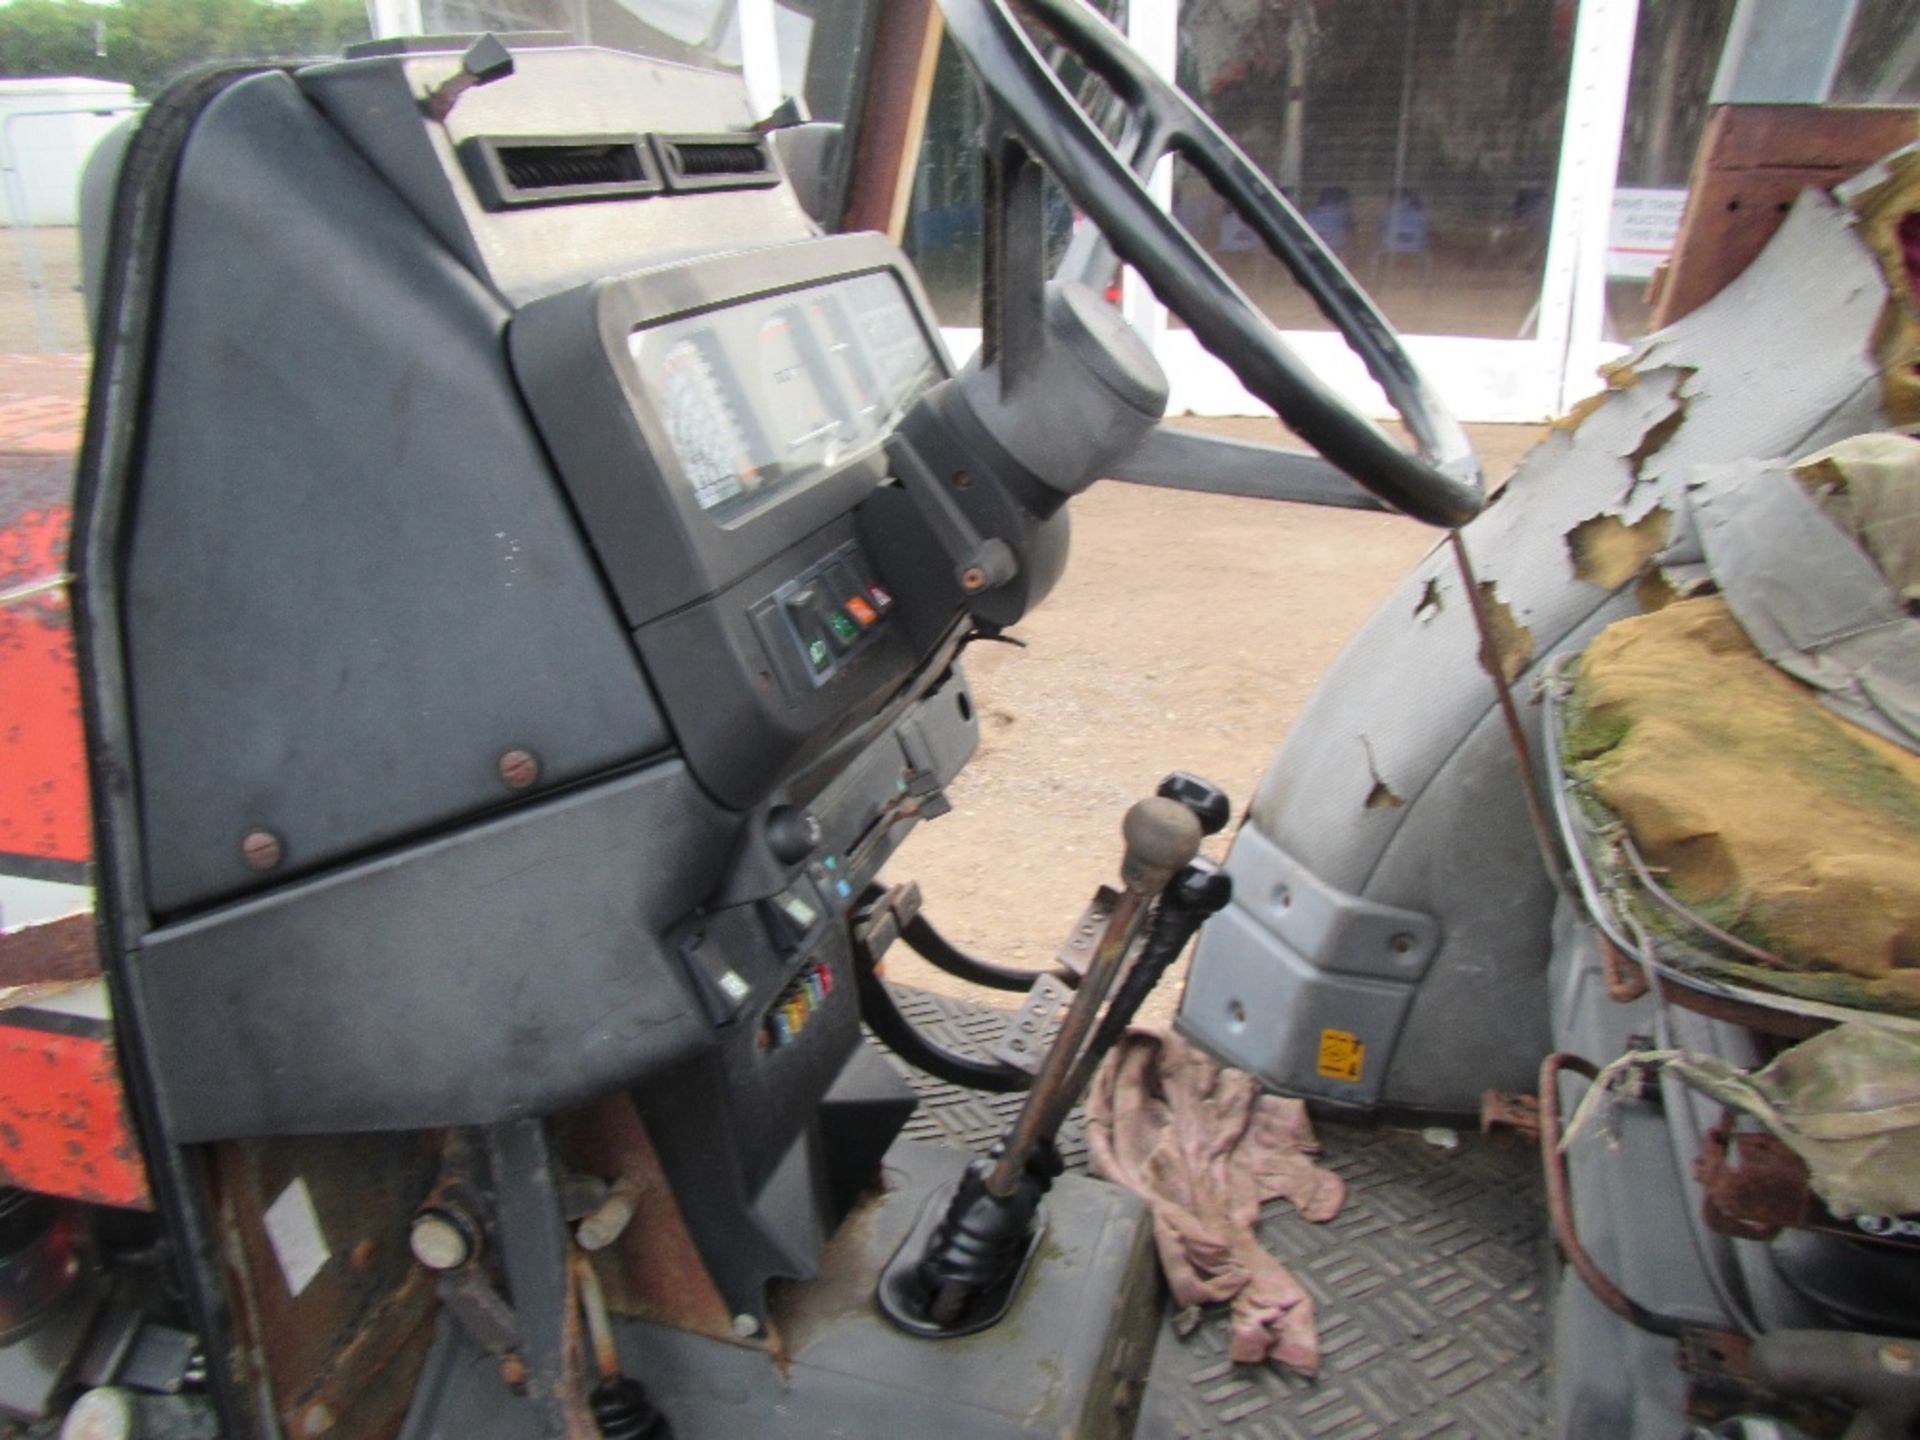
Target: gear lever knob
[1161, 835]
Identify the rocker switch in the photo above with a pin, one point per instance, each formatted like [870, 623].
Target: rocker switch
[804, 610]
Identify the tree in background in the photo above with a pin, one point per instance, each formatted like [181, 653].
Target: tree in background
[148, 42]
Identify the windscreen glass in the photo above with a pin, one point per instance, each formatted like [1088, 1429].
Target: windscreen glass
[764, 396]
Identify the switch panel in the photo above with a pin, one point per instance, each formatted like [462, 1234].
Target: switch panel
[815, 622]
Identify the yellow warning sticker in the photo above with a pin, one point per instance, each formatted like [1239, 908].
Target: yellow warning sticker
[1342, 1056]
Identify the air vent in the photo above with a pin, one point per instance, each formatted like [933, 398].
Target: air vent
[716, 162]
[510, 171]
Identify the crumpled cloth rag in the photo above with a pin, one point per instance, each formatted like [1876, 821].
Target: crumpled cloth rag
[1205, 1148]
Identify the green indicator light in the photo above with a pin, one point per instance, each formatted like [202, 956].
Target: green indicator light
[818, 655]
[843, 626]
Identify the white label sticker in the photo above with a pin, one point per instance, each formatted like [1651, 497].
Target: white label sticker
[1644, 226]
[294, 1229]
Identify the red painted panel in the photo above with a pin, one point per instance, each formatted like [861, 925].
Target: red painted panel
[43, 772]
[63, 1118]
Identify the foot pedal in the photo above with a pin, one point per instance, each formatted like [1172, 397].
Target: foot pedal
[1029, 1033]
[1077, 953]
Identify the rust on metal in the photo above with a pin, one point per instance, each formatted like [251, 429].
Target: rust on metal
[1755, 1186]
[569, 1396]
[1051, 1094]
[261, 849]
[51, 952]
[351, 1343]
[1749, 1015]
[593, 1308]
[1719, 1369]
[1504, 663]
[1626, 981]
[653, 1269]
[1503, 1112]
[1566, 1238]
[519, 768]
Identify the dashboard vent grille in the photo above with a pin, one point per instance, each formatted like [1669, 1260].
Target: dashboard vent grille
[555, 170]
[716, 162]
[550, 167]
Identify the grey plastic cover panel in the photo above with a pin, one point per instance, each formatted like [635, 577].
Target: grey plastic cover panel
[1340, 932]
[1303, 986]
[1396, 784]
[529, 252]
[1811, 599]
[1730, 381]
[517, 967]
[353, 583]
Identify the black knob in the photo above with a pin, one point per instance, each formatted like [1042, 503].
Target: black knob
[792, 833]
[1202, 887]
[1206, 800]
[487, 60]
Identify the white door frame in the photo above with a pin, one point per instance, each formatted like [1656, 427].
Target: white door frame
[1482, 379]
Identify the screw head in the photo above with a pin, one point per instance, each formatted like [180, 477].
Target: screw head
[963, 479]
[261, 849]
[972, 578]
[519, 769]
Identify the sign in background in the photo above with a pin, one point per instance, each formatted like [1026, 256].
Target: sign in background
[1645, 226]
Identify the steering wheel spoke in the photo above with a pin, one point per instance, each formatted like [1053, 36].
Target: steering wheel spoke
[1440, 482]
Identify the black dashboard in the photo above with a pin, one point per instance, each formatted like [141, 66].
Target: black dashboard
[718, 423]
[543, 567]
[561, 544]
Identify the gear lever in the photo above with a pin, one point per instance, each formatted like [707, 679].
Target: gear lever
[956, 1273]
[1201, 890]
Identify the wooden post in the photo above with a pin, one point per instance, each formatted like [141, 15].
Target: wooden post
[1753, 162]
[893, 116]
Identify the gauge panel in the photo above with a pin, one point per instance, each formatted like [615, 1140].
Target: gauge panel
[758, 398]
[719, 425]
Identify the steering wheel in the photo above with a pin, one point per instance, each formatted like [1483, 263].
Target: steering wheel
[1440, 484]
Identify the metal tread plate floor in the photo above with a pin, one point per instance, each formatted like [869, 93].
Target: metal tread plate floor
[1428, 1285]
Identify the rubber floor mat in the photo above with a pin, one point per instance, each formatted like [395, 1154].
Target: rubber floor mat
[1428, 1285]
